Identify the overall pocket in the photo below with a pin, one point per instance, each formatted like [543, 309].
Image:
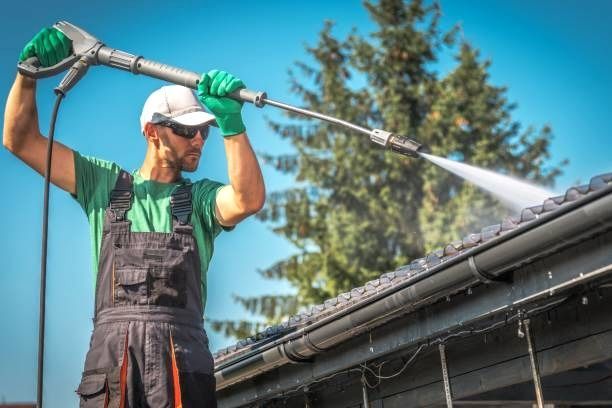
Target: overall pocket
[93, 391]
[106, 358]
[143, 257]
[150, 276]
[100, 389]
[152, 285]
[167, 287]
[130, 287]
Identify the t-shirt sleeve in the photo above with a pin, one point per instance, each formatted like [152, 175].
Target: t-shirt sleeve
[205, 197]
[95, 179]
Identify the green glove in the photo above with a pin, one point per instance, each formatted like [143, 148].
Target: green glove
[50, 46]
[212, 89]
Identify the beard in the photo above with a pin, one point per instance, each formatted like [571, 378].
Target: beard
[189, 162]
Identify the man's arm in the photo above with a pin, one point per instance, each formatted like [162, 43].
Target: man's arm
[245, 195]
[21, 131]
[22, 136]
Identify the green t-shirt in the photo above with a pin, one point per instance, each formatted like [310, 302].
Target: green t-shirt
[150, 211]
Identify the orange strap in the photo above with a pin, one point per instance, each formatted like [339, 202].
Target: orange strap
[106, 392]
[176, 385]
[123, 374]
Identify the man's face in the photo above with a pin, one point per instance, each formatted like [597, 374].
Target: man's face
[179, 152]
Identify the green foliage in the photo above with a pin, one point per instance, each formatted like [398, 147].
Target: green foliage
[359, 211]
[238, 329]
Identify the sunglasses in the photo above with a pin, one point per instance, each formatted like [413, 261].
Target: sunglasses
[188, 132]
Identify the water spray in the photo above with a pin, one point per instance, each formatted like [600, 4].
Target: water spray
[513, 193]
[89, 51]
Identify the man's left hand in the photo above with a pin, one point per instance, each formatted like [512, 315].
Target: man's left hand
[212, 91]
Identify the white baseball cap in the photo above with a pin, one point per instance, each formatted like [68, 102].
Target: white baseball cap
[176, 103]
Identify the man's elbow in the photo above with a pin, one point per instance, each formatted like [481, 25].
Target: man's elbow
[260, 204]
[255, 204]
[15, 140]
[9, 144]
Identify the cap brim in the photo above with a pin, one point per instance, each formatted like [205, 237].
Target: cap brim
[195, 119]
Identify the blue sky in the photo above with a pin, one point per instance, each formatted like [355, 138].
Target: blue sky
[553, 56]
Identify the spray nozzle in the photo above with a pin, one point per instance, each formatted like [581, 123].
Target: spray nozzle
[398, 144]
[407, 147]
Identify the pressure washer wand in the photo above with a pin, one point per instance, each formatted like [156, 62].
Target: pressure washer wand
[139, 65]
[398, 144]
[91, 51]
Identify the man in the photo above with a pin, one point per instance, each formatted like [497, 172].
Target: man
[152, 232]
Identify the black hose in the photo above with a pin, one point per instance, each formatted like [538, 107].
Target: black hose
[43, 257]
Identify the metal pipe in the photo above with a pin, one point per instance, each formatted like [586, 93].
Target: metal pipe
[535, 370]
[307, 401]
[364, 393]
[447, 388]
[318, 115]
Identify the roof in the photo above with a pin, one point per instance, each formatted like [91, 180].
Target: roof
[390, 279]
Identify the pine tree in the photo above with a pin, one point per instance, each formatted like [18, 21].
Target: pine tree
[358, 211]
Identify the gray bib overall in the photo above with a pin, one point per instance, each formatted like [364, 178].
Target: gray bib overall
[148, 347]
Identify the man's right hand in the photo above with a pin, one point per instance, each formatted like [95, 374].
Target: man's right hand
[50, 46]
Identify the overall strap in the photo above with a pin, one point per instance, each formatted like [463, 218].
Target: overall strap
[121, 197]
[181, 208]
